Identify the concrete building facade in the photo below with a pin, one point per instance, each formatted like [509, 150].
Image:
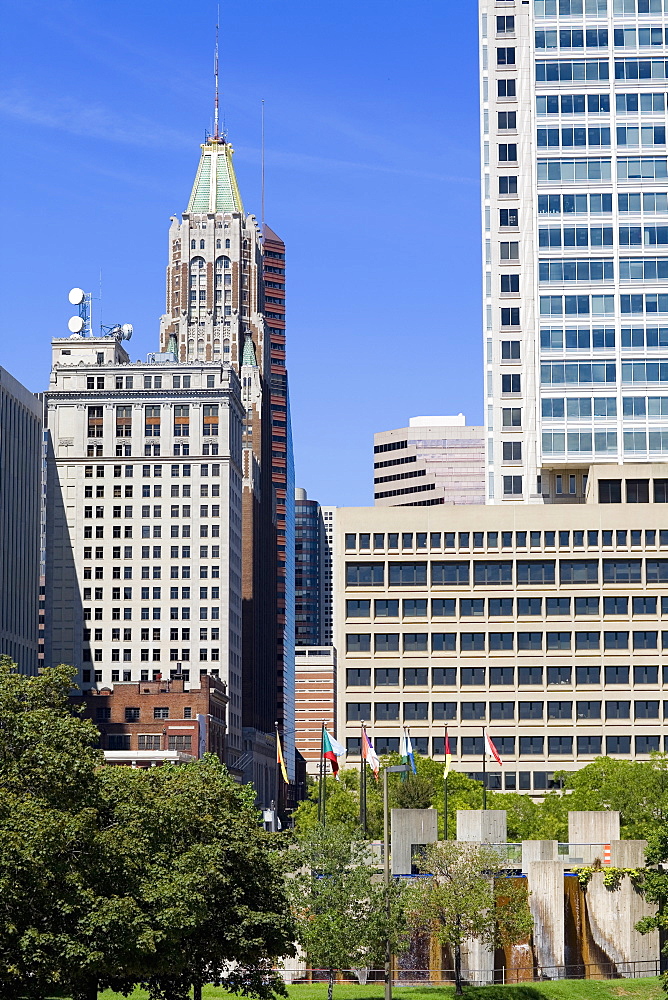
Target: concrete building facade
[435, 460]
[315, 700]
[574, 208]
[144, 577]
[21, 510]
[544, 624]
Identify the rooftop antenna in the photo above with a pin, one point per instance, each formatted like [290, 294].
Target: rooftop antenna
[263, 165]
[216, 132]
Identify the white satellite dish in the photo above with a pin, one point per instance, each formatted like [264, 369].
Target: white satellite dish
[76, 296]
[127, 331]
[75, 324]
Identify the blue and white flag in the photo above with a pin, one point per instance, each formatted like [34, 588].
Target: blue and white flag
[407, 754]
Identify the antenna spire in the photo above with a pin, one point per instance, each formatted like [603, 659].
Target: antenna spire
[263, 164]
[216, 132]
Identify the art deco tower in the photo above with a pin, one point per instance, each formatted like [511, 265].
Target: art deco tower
[220, 263]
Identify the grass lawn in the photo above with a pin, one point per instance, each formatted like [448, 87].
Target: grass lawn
[571, 989]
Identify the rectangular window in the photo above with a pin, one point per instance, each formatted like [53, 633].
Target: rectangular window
[444, 676]
[443, 642]
[357, 642]
[386, 676]
[386, 642]
[365, 574]
[408, 574]
[456, 573]
[560, 710]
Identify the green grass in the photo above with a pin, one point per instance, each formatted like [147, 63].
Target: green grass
[569, 989]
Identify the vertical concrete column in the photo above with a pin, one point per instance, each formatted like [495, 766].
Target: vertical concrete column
[612, 916]
[600, 827]
[409, 827]
[538, 850]
[546, 901]
[482, 826]
[477, 962]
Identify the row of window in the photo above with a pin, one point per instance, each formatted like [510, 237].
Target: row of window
[601, 236]
[557, 676]
[152, 420]
[592, 38]
[531, 572]
[589, 169]
[580, 104]
[145, 655]
[503, 711]
[597, 204]
[518, 539]
[626, 135]
[583, 372]
[145, 614]
[127, 471]
[125, 450]
[581, 338]
[556, 443]
[592, 269]
[529, 746]
[154, 633]
[571, 70]
[97, 674]
[569, 8]
[155, 531]
[501, 642]
[176, 510]
[150, 382]
[603, 305]
[504, 607]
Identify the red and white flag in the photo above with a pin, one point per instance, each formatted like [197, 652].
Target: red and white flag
[491, 750]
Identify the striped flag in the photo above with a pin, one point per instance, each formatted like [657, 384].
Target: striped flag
[490, 749]
[369, 754]
[407, 755]
[331, 750]
[280, 760]
[448, 755]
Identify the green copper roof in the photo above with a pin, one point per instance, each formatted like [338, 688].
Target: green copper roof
[248, 356]
[215, 188]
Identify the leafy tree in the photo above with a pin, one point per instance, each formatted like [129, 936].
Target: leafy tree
[339, 903]
[465, 897]
[653, 885]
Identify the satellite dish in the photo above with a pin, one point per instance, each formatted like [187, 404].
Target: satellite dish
[76, 296]
[75, 324]
[127, 331]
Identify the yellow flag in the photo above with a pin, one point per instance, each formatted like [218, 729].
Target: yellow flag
[280, 760]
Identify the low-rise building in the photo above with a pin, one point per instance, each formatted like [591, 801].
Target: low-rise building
[159, 720]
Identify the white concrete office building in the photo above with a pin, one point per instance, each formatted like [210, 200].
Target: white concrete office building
[144, 519]
[575, 241]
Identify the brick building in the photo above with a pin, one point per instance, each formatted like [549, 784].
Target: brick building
[159, 720]
[315, 700]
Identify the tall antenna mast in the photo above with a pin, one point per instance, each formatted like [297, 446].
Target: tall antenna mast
[216, 133]
[263, 164]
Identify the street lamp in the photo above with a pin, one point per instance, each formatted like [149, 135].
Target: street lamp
[395, 769]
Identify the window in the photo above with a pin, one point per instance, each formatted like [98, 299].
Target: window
[560, 710]
[502, 676]
[511, 417]
[530, 675]
[416, 676]
[507, 152]
[365, 574]
[618, 709]
[560, 746]
[505, 24]
[415, 607]
[588, 675]
[508, 216]
[358, 711]
[387, 711]
[510, 316]
[657, 571]
[530, 710]
[558, 640]
[588, 710]
[535, 572]
[132, 715]
[473, 711]
[643, 674]
[587, 640]
[512, 486]
[416, 711]
[386, 642]
[615, 605]
[531, 746]
[556, 607]
[358, 676]
[589, 746]
[450, 573]
[578, 571]
[644, 605]
[508, 185]
[492, 573]
[472, 676]
[510, 349]
[616, 675]
[560, 675]
[505, 57]
[645, 640]
[506, 88]
[358, 609]
[444, 676]
[415, 642]
[357, 642]
[385, 608]
[472, 642]
[443, 607]
[501, 607]
[615, 640]
[530, 640]
[408, 574]
[161, 713]
[502, 711]
[386, 676]
[444, 711]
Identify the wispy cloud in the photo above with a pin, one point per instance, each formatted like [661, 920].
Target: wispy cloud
[88, 119]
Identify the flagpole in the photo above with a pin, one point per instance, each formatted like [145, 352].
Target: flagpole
[276, 777]
[362, 783]
[484, 770]
[445, 789]
[321, 798]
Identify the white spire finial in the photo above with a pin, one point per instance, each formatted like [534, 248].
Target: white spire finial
[216, 132]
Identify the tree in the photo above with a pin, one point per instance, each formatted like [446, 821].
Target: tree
[653, 884]
[466, 897]
[339, 903]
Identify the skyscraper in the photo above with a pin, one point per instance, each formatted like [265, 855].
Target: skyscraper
[575, 216]
[226, 302]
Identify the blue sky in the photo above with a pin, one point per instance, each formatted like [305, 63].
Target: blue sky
[372, 181]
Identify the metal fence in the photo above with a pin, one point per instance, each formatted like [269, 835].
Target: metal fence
[479, 977]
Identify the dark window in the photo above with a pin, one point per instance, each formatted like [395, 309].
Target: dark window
[637, 490]
[661, 491]
[358, 711]
[609, 491]
[646, 709]
[118, 741]
[506, 748]
[497, 572]
[616, 675]
[618, 709]
[471, 746]
[365, 574]
[444, 711]
[358, 609]
[415, 642]
[472, 676]
[578, 570]
[645, 640]
[587, 640]
[615, 605]
[438, 746]
[502, 711]
[387, 744]
[644, 605]
[643, 674]
[358, 642]
[450, 572]
[387, 711]
[358, 676]
[530, 675]
[558, 675]
[132, 714]
[415, 607]
[472, 642]
[556, 607]
[386, 642]
[443, 607]
[535, 571]
[408, 574]
[416, 711]
[647, 744]
[558, 640]
[560, 746]
[442, 642]
[588, 710]
[505, 56]
[616, 640]
[618, 744]
[527, 606]
[416, 676]
[588, 675]
[657, 571]
[501, 641]
[473, 711]
[560, 710]
[444, 676]
[470, 607]
[501, 607]
[530, 640]
[386, 608]
[586, 605]
[530, 710]
[589, 745]
[386, 676]
[622, 571]
[502, 676]
[531, 746]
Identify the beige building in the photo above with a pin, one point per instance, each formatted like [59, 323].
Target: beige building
[545, 624]
[435, 460]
